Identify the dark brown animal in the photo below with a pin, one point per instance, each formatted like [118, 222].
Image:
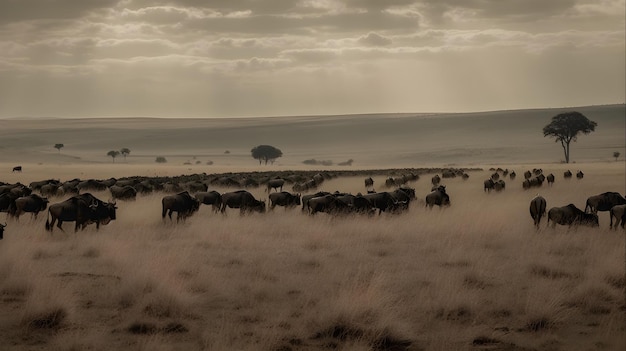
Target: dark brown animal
[570, 215]
[537, 209]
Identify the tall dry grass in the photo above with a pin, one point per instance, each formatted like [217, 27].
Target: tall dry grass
[476, 275]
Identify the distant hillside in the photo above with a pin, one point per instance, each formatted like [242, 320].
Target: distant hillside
[394, 139]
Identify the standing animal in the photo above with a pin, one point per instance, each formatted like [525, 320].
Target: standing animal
[385, 202]
[580, 174]
[243, 200]
[567, 174]
[275, 184]
[512, 175]
[537, 209]
[328, 204]
[619, 212]
[305, 199]
[571, 215]
[527, 175]
[210, 198]
[550, 179]
[32, 203]
[369, 182]
[182, 203]
[436, 179]
[7, 201]
[285, 199]
[17, 169]
[488, 185]
[499, 185]
[604, 202]
[438, 197]
[2, 226]
[126, 192]
[83, 209]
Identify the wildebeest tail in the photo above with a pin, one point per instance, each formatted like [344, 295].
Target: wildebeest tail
[48, 226]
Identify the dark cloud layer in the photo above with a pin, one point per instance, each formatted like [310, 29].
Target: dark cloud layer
[202, 58]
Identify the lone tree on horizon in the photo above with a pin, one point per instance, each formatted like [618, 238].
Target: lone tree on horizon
[266, 153]
[565, 128]
[616, 155]
[125, 151]
[113, 154]
[58, 147]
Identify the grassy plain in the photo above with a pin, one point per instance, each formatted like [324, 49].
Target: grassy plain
[474, 276]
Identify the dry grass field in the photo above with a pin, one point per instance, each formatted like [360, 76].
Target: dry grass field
[474, 276]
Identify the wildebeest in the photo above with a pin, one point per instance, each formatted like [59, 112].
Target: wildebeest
[328, 204]
[369, 182]
[91, 185]
[83, 209]
[2, 226]
[285, 199]
[212, 197]
[275, 184]
[527, 175]
[571, 215]
[533, 182]
[436, 179]
[243, 200]
[619, 212]
[32, 203]
[438, 197]
[495, 176]
[499, 185]
[17, 169]
[305, 199]
[537, 209]
[7, 201]
[567, 174]
[512, 175]
[385, 202]
[580, 174]
[550, 179]
[126, 192]
[182, 203]
[488, 185]
[604, 202]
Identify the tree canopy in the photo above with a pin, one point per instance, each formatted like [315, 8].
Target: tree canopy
[565, 128]
[266, 153]
[58, 146]
[125, 152]
[113, 154]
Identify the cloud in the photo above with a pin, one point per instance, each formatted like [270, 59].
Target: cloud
[373, 39]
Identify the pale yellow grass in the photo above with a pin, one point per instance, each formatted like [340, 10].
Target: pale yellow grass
[476, 275]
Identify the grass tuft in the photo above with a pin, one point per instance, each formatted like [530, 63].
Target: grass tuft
[49, 319]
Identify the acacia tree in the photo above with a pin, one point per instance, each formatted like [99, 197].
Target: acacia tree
[58, 147]
[565, 128]
[616, 155]
[266, 153]
[125, 151]
[113, 154]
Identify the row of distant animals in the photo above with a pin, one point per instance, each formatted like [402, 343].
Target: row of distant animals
[532, 179]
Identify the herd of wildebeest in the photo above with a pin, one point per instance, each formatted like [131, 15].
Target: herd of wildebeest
[185, 194]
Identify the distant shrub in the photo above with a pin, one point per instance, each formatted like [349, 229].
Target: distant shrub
[209, 162]
[318, 162]
[160, 159]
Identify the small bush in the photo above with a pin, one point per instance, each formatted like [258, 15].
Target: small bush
[160, 159]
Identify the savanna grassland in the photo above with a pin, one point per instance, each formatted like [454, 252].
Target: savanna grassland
[474, 276]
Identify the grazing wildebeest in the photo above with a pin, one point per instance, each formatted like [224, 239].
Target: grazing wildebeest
[17, 169]
[488, 185]
[2, 226]
[537, 209]
[126, 192]
[580, 175]
[527, 175]
[550, 179]
[495, 176]
[499, 185]
[385, 202]
[369, 182]
[567, 174]
[512, 175]
[533, 182]
[619, 212]
[436, 179]
[328, 204]
[32, 203]
[285, 199]
[404, 193]
[438, 197]
[571, 215]
[305, 199]
[275, 184]
[182, 203]
[210, 198]
[83, 209]
[243, 200]
[604, 202]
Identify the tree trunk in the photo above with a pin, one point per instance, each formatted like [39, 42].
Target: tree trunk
[565, 150]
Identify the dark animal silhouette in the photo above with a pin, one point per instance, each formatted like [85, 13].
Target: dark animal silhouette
[32, 203]
[580, 175]
[17, 169]
[550, 179]
[126, 192]
[182, 203]
[499, 185]
[2, 226]
[369, 182]
[305, 199]
[275, 184]
[83, 210]
[438, 197]
[488, 185]
[210, 198]
[571, 215]
[567, 174]
[604, 202]
[243, 200]
[284, 199]
[537, 209]
[619, 213]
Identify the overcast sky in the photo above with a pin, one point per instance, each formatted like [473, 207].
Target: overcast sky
[185, 58]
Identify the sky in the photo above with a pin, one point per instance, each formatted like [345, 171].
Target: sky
[245, 58]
